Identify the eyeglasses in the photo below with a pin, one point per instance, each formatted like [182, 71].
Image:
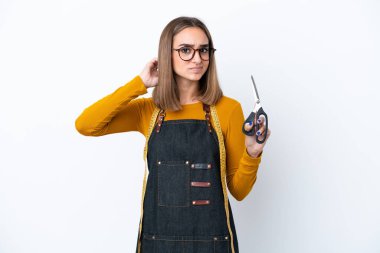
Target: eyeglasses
[187, 53]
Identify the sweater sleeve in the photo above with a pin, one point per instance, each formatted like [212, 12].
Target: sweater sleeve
[116, 112]
[241, 167]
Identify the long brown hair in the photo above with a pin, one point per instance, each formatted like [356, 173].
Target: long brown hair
[166, 94]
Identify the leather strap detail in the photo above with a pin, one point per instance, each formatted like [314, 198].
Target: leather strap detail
[201, 202]
[160, 119]
[206, 108]
[201, 166]
[201, 184]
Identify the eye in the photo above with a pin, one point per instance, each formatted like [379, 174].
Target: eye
[204, 50]
[185, 50]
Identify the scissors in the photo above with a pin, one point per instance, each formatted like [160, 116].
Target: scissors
[256, 112]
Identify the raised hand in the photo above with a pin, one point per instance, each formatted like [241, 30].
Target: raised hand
[149, 74]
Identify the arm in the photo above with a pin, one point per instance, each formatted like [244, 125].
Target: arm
[241, 167]
[116, 112]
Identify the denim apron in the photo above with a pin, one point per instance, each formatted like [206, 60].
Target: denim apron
[184, 203]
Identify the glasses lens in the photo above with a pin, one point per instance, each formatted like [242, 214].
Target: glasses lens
[187, 53]
[204, 53]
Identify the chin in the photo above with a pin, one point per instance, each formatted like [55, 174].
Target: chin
[195, 77]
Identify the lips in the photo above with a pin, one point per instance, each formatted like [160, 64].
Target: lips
[196, 68]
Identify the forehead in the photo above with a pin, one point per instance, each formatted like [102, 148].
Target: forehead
[192, 36]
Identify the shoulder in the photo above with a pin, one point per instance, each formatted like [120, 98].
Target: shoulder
[230, 114]
[225, 100]
[149, 104]
[227, 105]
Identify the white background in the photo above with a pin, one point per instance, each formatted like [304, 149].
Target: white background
[316, 66]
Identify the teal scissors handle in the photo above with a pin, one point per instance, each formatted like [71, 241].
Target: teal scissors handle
[256, 126]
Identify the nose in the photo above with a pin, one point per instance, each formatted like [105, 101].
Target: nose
[197, 57]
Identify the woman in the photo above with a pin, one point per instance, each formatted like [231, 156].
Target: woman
[194, 145]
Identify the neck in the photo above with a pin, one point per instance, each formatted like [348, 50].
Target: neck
[188, 90]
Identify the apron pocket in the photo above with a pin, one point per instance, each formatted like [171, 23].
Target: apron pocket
[173, 183]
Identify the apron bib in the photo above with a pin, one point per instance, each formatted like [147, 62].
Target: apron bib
[183, 199]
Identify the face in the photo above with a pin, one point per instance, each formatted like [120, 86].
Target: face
[195, 68]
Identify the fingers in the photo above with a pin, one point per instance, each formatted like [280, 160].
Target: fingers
[261, 122]
[247, 127]
[261, 125]
[261, 137]
[149, 74]
[153, 60]
[153, 64]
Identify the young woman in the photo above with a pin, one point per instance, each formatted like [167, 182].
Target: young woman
[194, 147]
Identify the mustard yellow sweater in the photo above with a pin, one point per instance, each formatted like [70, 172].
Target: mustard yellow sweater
[122, 111]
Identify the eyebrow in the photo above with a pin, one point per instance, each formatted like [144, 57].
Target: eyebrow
[184, 44]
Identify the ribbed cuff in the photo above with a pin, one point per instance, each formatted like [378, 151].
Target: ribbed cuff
[249, 160]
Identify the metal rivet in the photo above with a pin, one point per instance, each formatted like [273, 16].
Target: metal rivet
[226, 237]
[193, 202]
[159, 162]
[187, 162]
[208, 165]
[153, 237]
[192, 166]
[215, 238]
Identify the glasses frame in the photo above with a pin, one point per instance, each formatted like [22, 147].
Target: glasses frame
[211, 51]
